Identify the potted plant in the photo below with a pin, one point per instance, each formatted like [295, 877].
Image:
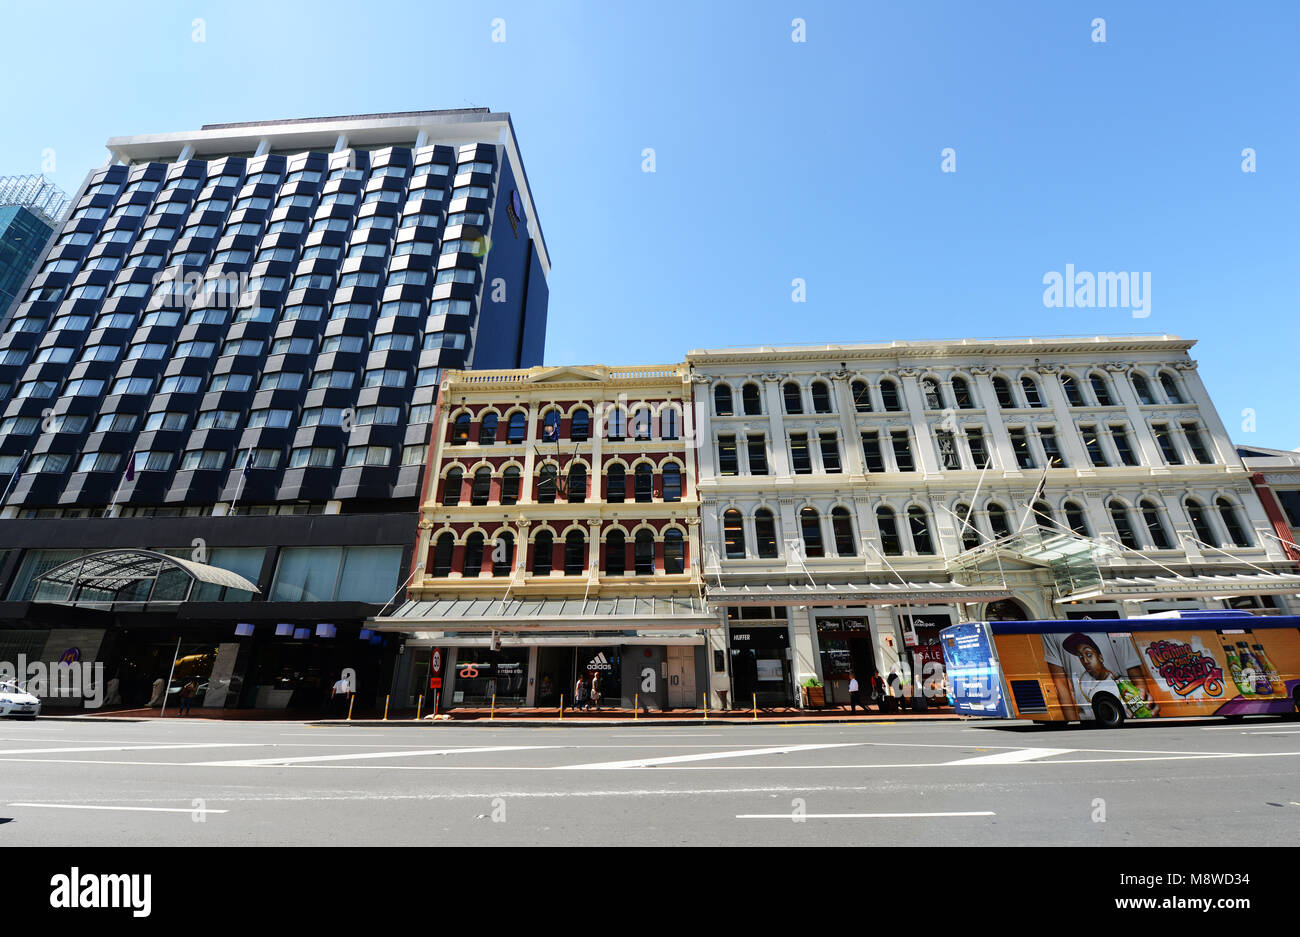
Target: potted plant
[814, 694]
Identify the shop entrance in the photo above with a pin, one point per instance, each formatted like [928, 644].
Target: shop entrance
[681, 677]
[760, 666]
[845, 649]
[555, 676]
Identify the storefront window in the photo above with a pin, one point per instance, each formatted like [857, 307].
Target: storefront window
[482, 673]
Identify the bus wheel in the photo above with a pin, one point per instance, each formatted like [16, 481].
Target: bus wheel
[1107, 712]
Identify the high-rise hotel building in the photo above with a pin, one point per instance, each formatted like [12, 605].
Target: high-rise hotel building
[216, 390]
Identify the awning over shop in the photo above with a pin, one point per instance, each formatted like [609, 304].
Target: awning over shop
[130, 576]
[852, 593]
[585, 639]
[1164, 587]
[517, 616]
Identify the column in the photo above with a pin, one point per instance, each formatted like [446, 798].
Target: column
[594, 550]
[1067, 433]
[803, 646]
[926, 455]
[996, 435]
[853, 461]
[779, 447]
[1123, 388]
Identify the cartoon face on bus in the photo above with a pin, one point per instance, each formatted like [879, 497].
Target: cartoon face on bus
[1083, 665]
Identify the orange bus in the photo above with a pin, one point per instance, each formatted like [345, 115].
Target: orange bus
[1188, 663]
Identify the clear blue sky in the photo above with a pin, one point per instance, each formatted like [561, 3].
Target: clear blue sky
[778, 160]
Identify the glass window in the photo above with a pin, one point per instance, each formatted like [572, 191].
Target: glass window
[722, 400]
[1170, 386]
[1100, 390]
[919, 524]
[842, 528]
[903, 451]
[1002, 389]
[733, 534]
[890, 543]
[830, 452]
[800, 459]
[1092, 442]
[793, 397]
[643, 478]
[727, 462]
[674, 552]
[756, 448]
[672, 482]
[889, 396]
[1020, 446]
[821, 397]
[871, 452]
[1232, 523]
[615, 484]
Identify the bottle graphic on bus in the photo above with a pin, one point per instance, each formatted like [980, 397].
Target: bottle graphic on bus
[1274, 680]
[1263, 685]
[1133, 699]
[1247, 687]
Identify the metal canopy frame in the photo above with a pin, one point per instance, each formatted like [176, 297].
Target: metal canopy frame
[104, 577]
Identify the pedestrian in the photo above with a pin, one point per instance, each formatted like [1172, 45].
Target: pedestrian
[855, 698]
[595, 690]
[878, 691]
[341, 695]
[580, 692]
[188, 693]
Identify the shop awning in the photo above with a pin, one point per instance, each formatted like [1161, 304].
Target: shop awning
[1163, 587]
[130, 576]
[628, 613]
[585, 639]
[853, 593]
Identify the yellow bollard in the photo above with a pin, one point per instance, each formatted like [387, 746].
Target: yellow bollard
[706, 706]
[419, 705]
[636, 705]
[561, 707]
[755, 705]
[386, 699]
[493, 713]
[351, 699]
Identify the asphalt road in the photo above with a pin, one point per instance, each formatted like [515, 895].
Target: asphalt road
[177, 783]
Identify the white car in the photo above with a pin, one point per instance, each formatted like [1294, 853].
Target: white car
[15, 701]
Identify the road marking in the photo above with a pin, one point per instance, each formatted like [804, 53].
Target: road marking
[790, 817]
[1273, 732]
[205, 810]
[130, 748]
[302, 759]
[705, 756]
[1012, 757]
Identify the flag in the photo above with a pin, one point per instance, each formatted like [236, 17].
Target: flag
[130, 468]
[248, 462]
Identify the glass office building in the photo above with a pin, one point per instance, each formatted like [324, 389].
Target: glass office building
[30, 209]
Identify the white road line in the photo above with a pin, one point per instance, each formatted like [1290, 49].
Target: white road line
[1012, 757]
[129, 748]
[789, 817]
[704, 756]
[205, 810]
[1273, 732]
[359, 755]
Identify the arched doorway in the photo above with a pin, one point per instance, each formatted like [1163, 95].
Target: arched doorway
[1005, 610]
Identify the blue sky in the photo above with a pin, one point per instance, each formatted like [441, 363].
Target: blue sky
[778, 160]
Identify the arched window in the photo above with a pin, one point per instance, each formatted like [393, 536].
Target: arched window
[765, 533]
[1076, 519]
[643, 552]
[1201, 522]
[517, 428]
[793, 397]
[861, 396]
[443, 548]
[1073, 396]
[451, 487]
[1232, 523]
[1100, 390]
[487, 430]
[580, 425]
[672, 482]
[1155, 525]
[460, 430]
[617, 423]
[668, 423]
[543, 553]
[919, 524]
[970, 537]
[615, 553]
[644, 478]
[1142, 388]
[503, 555]
[733, 534]
[933, 397]
[1030, 388]
[889, 396]
[551, 426]
[473, 564]
[842, 528]
[998, 522]
[890, 543]
[674, 552]
[577, 483]
[821, 397]
[546, 483]
[722, 404]
[615, 484]
[1171, 387]
[1043, 515]
[751, 399]
[961, 390]
[1002, 390]
[1123, 525]
[810, 525]
[510, 485]
[482, 487]
[575, 553]
[641, 423]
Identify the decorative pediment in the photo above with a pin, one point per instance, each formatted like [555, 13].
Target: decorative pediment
[566, 375]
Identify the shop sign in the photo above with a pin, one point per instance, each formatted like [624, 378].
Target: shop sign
[600, 662]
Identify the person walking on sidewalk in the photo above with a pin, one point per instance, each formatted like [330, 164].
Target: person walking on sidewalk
[580, 692]
[855, 697]
[188, 693]
[595, 690]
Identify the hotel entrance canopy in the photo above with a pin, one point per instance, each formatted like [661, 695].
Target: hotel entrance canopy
[1207, 586]
[853, 594]
[633, 614]
[135, 577]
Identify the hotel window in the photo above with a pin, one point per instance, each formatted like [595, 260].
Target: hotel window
[978, 451]
[842, 528]
[1092, 442]
[281, 380]
[1051, 449]
[473, 563]
[333, 379]
[1232, 523]
[674, 552]
[1170, 387]
[1076, 519]
[810, 526]
[1197, 443]
[543, 553]
[750, 400]
[961, 391]
[861, 396]
[641, 422]
[800, 458]
[546, 483]
[443, 549]
[727, 462]
[451, 489]
[998, 521]
[902, 451]
[518, 427]
[371, 455]
[617, 424]
[933, 399]
[672, 482]
[615, 484]
[1020, 446]
[125, 422]
[919, 524]
[1073, 396]
[211, 459]
[481, 488]
[821, 397]
[321, 251]
[277, 419]
[487, 427]
[733, 534]
[615, 553]
[415, 455]
[99, 462]
[577, 493]
[1042, 512]
[459, 429]
[970, 538]
[793, 397]
[1002, 389]
[722, 400]
[756, 449]
[643, 483]
[643, 553]
[830, 450]
[668, 423]
[510, 485]
[551, 426]
[1142, 388]
[1119, 516]
[765, 533]
[575, 553]
[1165, 440]
[354, 279]
[1201, 523]
[1030, 388]
[871, 453]
[580, 425]
[311, 457]
[889, 396]
[503, 554]
[218, 419]
[947, 443]
[890, 543]
[1101, 390]
[1155, 525]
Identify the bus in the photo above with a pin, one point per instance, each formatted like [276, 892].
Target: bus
[1107, 671]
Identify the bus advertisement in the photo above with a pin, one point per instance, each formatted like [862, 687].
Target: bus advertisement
[1190, 663]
